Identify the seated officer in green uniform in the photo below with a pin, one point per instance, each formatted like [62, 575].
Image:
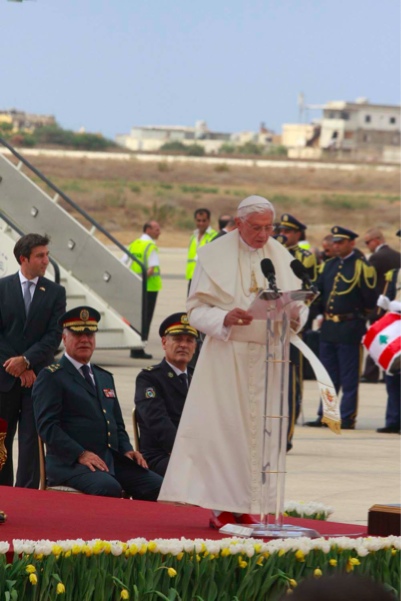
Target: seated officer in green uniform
[79, 418]
[161, 391]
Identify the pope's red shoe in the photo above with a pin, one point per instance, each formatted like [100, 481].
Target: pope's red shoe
[246, 519]
[218, 521]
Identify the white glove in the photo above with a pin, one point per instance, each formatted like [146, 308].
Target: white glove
[395, 306]
[383, 302]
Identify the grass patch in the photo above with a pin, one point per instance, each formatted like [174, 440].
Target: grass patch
[198, 190]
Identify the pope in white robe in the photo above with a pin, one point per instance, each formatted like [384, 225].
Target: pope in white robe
[216, 459]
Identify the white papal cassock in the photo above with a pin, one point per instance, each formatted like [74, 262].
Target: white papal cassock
[215, 461]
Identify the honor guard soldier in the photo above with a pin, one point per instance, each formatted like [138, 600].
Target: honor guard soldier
[79, 418]
[293, 231]
[161, 391]
[347, 293]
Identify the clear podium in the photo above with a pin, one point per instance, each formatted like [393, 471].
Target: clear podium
[279, 310]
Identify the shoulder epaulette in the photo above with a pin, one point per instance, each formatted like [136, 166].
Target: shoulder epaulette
[389, 275]
[53, 367]
[105, 370]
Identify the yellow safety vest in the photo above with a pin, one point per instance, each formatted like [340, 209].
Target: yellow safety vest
[193, 250]
[142, 249]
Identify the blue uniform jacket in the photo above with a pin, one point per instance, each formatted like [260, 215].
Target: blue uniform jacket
[159, 400]
[347, 290]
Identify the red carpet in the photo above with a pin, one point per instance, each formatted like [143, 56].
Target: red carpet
[35, 515]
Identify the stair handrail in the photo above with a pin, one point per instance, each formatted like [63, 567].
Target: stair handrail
[93, 222]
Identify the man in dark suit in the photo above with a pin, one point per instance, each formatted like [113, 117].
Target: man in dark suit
[30, 306]
[161, 391]
[383, 258]
[79, 418]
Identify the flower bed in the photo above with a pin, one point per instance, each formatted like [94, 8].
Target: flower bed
[175, 569]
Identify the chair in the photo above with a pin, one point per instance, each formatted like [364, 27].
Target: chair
[43, 481]
[136, 430]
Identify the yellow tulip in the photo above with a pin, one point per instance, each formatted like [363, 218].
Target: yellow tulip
[124, 594]
[333, 562]
[171, 572]
[318, 573]
[299, 555]
[152, 546]
[33, 579]
[293, 582]
[180, 556]
[30, 569]
[60, 588]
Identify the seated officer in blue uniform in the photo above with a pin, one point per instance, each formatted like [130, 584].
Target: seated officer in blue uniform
[79, 418]
[347, 294]
[161, 391]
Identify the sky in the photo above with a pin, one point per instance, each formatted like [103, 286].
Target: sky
[109, 65]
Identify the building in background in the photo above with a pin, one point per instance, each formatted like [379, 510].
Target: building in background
[356, 130]
[19, 121]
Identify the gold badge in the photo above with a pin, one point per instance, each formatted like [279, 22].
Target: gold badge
[170, 374]
[184, 319]
[84, 315]
[42, 288]
[285, 217]
[335, 230]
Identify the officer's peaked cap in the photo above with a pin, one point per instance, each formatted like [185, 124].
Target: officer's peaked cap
[177, 323]
[342, 233]
[291, 222]
[80, 319]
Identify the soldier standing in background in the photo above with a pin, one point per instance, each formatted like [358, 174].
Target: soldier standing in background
[347, 286]
[293, 231]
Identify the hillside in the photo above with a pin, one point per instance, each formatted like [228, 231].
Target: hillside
[122, 195]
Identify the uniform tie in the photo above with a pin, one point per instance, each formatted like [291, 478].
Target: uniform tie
[27, 295]
[184, 379]
[86, 372]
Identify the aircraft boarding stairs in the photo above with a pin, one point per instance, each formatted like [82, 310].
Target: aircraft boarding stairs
[89, 271]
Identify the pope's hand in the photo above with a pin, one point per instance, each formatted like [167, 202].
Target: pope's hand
[237, 317]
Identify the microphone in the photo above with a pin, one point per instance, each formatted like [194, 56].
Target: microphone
[301, 273]
[269, 272]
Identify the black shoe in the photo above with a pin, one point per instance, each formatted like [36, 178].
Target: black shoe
[365, 380]
[388, 430]
[347, 426]
[140, 354]
[315, 424]
[289, 446]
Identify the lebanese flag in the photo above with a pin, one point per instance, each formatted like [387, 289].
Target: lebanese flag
[383, 340]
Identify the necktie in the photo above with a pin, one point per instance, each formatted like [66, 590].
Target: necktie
[184, 380]
[27, 295]
[86, 371]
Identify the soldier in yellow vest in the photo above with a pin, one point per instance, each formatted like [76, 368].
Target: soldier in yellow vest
[146, 251]
[201, 236]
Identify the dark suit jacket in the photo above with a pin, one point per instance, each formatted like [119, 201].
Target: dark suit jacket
[159, 400]
[39, 336]
[71, 417]
[384, 259]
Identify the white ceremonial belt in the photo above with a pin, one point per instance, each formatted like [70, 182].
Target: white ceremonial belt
[255, 332]
[330, 403]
